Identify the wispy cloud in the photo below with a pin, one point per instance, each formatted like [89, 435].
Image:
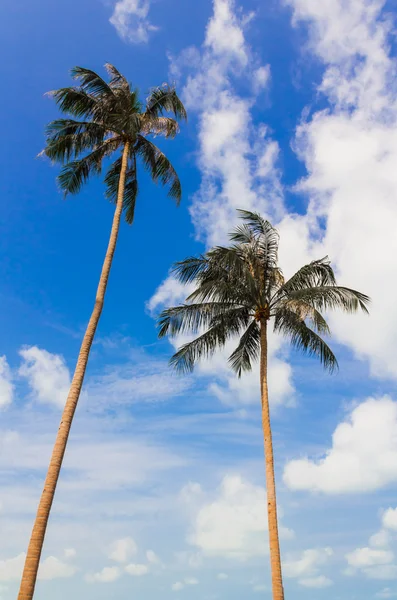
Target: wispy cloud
[131, 20]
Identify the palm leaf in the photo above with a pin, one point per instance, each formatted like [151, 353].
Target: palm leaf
[331, 297]
[130, 188]
[159, 166]
[303, 338]
[247, 351]
[75, 101]
[165, 99]
[225, 327]
[91, 82]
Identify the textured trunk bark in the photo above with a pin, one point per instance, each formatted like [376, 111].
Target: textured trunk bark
[32, 561]
[274, 543]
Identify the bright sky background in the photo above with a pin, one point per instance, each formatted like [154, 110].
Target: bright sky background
[293, 112]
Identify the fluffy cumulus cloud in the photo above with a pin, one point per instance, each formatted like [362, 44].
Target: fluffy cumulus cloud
[6, 385]
[378, 559]
[233, 524]
[106, 575]
[363, 455]
[50, 568]
[305, 567]
[350, 152]
[237, 162]
[136, 570]
[46, 374]
[131, 20]
[122, 550]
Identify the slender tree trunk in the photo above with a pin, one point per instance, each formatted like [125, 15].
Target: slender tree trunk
[35, 547]
[274, 543]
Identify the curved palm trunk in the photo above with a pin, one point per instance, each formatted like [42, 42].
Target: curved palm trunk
[32, 561]
[274, 543]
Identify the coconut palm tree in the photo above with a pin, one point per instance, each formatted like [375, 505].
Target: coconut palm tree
[240, 291]
[107, 126]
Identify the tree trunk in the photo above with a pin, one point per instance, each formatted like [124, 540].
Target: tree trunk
[274, 543]
[35, 547]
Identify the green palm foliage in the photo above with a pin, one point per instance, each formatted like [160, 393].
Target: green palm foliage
[104, 117]
[240, 286]
[238, 291]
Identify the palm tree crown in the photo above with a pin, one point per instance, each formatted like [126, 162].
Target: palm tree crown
[112, 117]
[241, 287]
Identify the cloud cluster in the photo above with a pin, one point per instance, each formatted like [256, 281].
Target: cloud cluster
[306, 567]
[350, 153]
[363, 456]
[378, 559]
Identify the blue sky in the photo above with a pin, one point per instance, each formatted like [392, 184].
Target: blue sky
[293, 112]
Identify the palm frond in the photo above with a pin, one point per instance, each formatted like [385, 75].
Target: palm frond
[159, 166]
[75, 101]
[247, 351]
[67, 138]
[318, 273]
[159, 126]
[331, 297]
[305, 312]
[225, 326]
[190, 317]
[91, 82]
[130, 188]
[117, 80]
[189, 269]
[165, 99]
[303, 338]
[75, 173]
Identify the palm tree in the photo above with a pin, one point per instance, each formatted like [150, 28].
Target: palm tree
[110, 121]
[239, 291]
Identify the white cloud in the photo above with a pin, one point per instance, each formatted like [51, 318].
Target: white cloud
[11, 568]
[363, 456]
[130, 18]
[53, 568]
[389, 519]
[69, 553]
[50, 568]
[222, 576]
[350, 153]
[377, 560]
[122, 550]
[316, 582]
[191, 581]
[177, 587]
[224, 33]
[234, 523]
[47, 375]
[152, 557]
[306, 567]
[136, 570]
[107, 575]
[6, 385]
[142, 381]
[369, 557]
[386, 593]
